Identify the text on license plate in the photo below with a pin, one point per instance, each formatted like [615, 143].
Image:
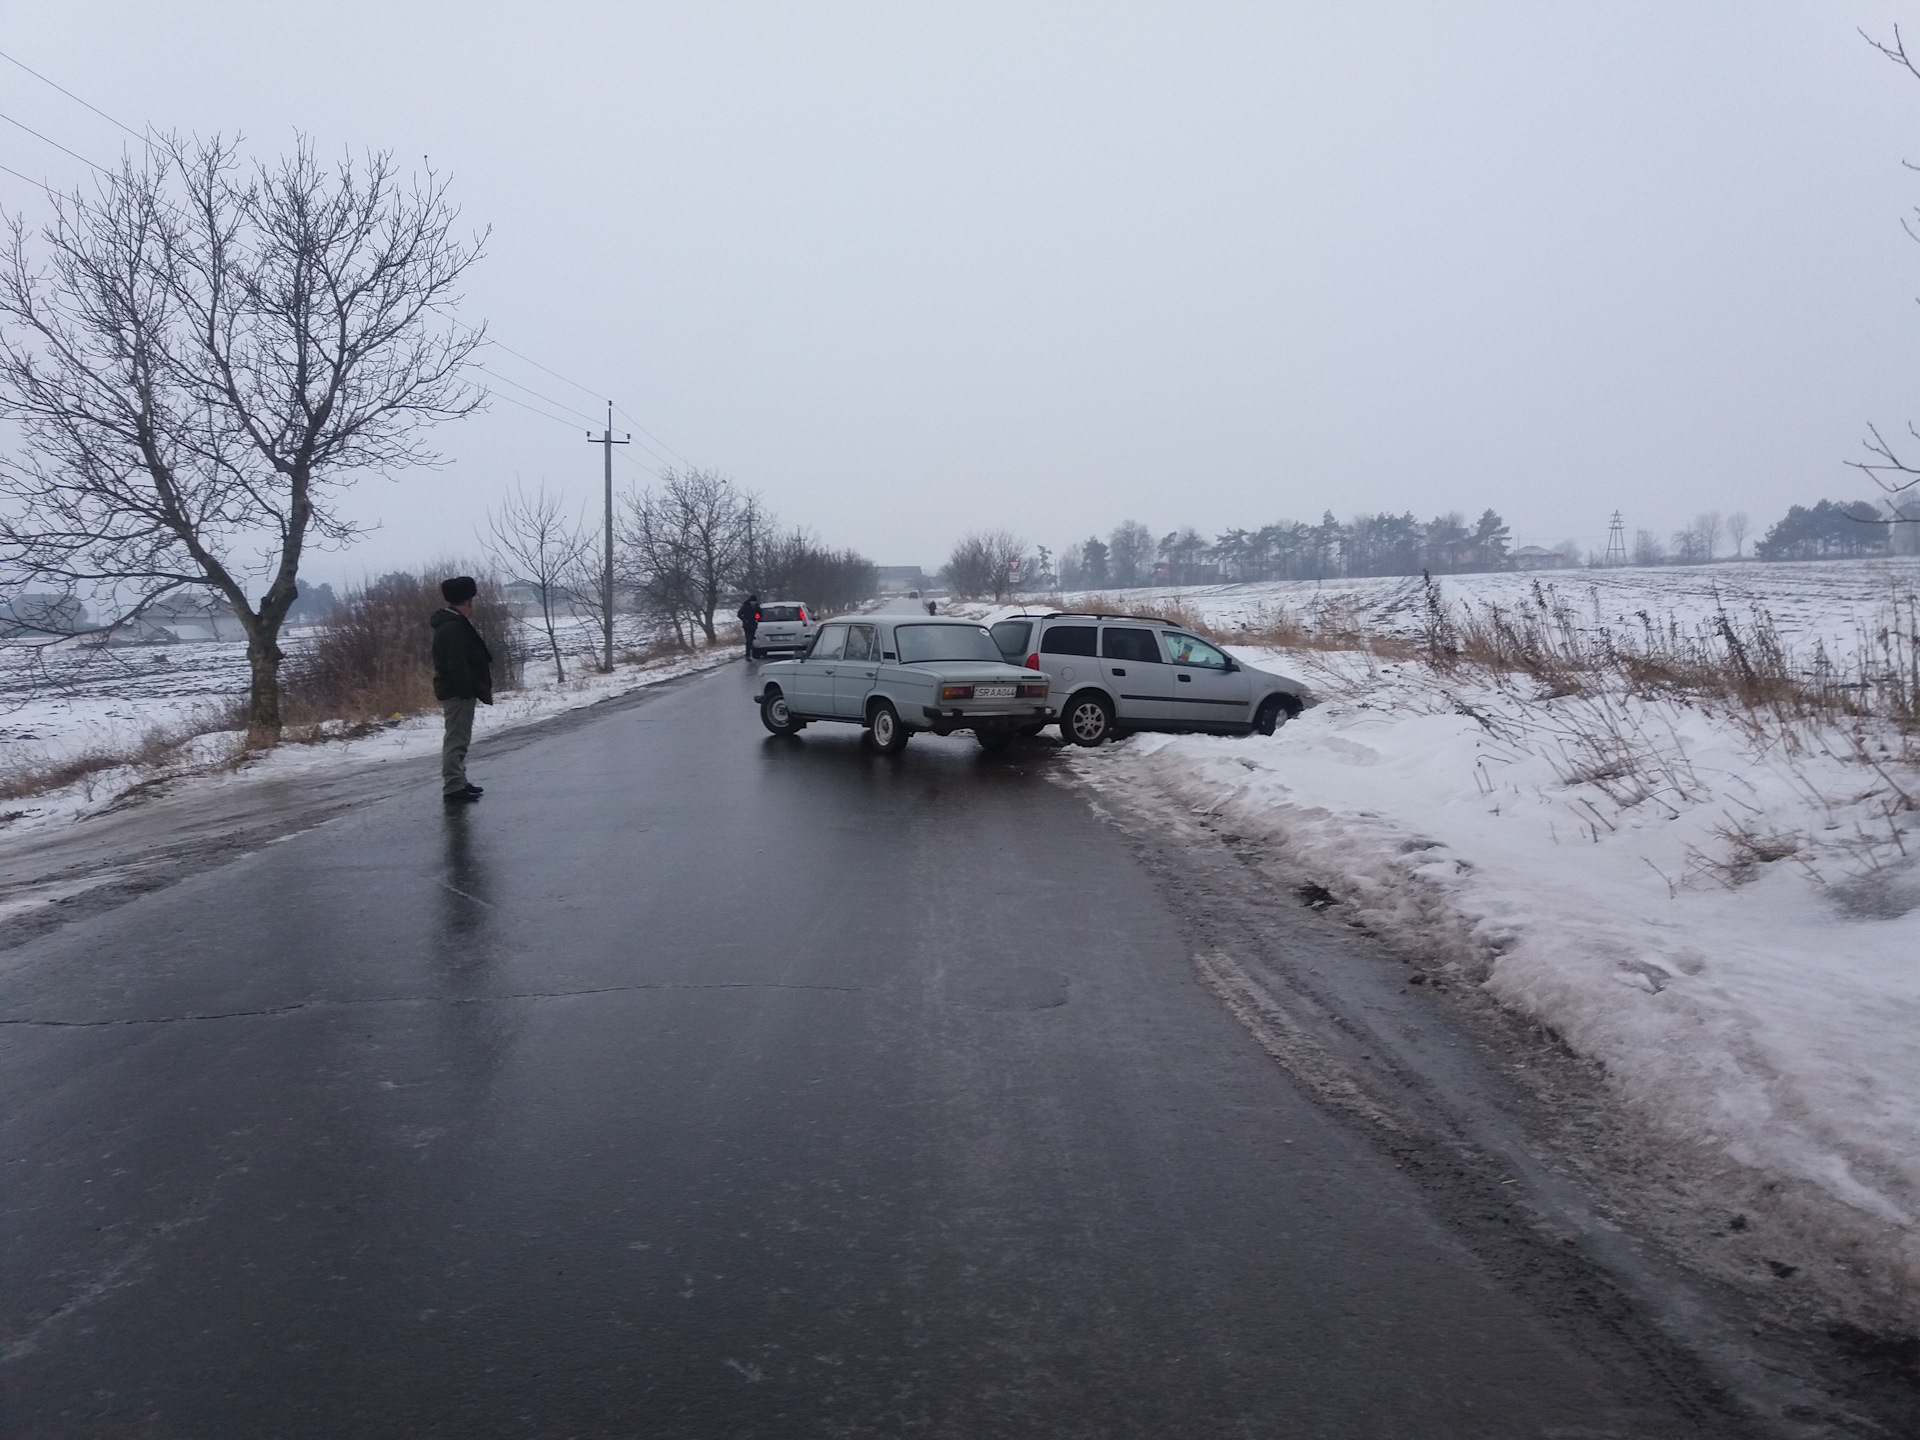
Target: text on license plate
[993, 692]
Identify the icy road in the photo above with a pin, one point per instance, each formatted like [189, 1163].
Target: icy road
[697, 1083]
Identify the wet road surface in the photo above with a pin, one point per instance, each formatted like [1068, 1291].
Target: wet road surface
[698, 1083]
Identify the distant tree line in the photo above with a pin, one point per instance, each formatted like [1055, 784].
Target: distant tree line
[1131, 555]
[1830, 530]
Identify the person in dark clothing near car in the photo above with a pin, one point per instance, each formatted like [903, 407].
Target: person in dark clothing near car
[462, 678]
[749, 613]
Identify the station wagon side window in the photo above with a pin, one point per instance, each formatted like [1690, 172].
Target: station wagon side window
[862, 643]
[1189, 650]
[828, 644]
[1129, 642]
[1069, 640]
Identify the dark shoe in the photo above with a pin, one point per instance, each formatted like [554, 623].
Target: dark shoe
[460, 797]
[474, 791]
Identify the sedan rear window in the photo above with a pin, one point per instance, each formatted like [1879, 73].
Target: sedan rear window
[946, 642]
[1068, 640]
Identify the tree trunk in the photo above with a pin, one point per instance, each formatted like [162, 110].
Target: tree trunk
[263, 702]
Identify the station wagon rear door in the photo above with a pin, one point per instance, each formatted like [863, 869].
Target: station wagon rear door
[1140, 680]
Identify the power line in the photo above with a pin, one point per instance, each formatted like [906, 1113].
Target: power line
[657, 440]
[41, 184]
[570, 424]
[55, 143]
[557, 404]
[73, 97]
[587, 390]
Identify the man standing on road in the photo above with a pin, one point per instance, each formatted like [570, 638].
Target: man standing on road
[749, 613]
[462, 678]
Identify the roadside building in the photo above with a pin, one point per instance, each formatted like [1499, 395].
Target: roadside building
[1536, 557]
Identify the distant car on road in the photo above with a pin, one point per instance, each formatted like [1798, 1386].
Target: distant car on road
[784, 625]
[898, 674]
[1110, 673]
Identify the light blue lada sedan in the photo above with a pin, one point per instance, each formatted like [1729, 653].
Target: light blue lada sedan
[898, 674]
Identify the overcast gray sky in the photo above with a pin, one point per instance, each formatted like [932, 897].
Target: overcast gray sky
[909, 270]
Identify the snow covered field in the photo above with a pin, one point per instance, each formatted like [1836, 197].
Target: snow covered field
[1724, 909]
[106, 701]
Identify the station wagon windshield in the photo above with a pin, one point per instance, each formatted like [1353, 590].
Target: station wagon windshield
[947, 642]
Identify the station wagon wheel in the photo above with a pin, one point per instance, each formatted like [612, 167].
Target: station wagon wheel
[775, 715]
[889, 735]
[1087, 720]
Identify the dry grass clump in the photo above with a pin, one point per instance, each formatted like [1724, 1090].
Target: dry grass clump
[372, 658]
[1741, 660]
[157, 747]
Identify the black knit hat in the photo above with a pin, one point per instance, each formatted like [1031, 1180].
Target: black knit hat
[460, 589]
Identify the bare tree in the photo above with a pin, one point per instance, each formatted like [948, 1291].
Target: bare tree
[1892, 471]
[969, 568]
[211, 353]
[1129, 548]
[1647, 549]
[795, 566]
[534, 541]
[652, 564]
[987, 562]
[1708, 528]
[709, 516]
[1738, 528]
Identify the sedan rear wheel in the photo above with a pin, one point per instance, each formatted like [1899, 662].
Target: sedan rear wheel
[993, 741]
[775, 715]
[889, 735]
[1087, 720]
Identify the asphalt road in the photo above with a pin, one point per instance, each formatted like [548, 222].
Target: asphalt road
[698, 1083]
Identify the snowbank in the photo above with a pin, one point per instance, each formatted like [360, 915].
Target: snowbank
[1729, 920]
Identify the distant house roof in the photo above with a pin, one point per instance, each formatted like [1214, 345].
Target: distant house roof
[1534, 552]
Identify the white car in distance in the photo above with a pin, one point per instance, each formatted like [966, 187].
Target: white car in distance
[898, 674]
[784, 625]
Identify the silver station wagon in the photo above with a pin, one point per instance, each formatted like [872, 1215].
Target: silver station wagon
[1114, 673]
[898, 674]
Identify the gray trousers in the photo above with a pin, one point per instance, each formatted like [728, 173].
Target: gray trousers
[453, 749]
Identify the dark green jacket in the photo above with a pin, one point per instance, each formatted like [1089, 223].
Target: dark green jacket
[462, 664]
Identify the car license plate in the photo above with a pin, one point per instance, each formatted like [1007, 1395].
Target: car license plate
[993, 692]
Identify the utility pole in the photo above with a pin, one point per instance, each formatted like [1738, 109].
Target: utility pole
[1616, 542]
[606, 574]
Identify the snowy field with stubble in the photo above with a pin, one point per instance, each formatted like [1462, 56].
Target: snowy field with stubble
[1721, 907]
[179, 704]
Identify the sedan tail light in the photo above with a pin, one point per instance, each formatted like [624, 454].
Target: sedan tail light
[956, 692]
[1033, 692]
